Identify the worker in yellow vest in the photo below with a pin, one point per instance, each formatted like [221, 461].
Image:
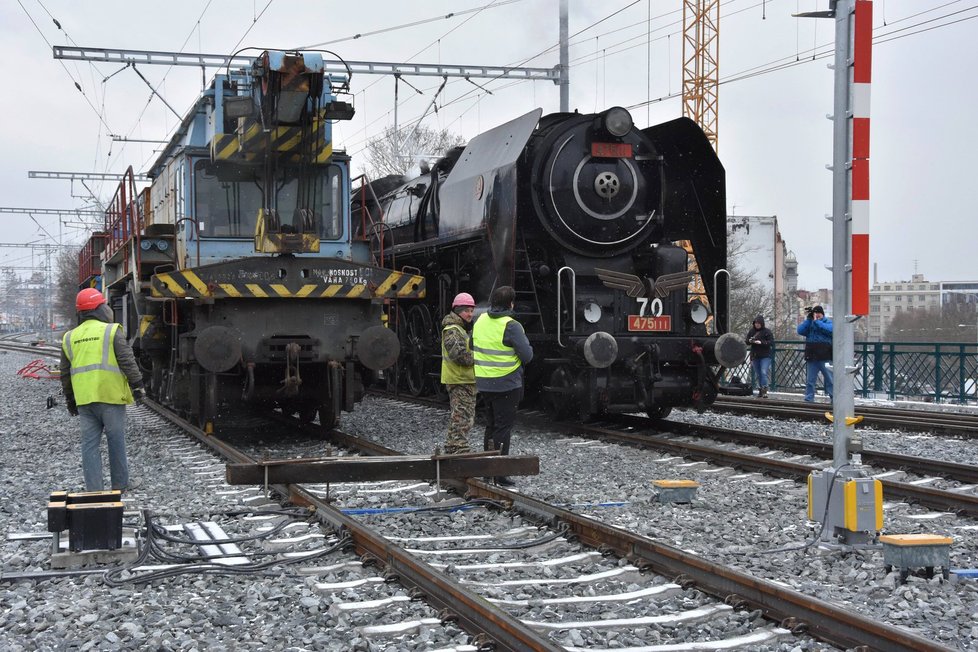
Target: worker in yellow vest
[99, 376]
[501, 350]
[457, 372]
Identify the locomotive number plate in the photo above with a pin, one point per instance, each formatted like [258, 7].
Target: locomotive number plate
[611, 150]
[642, 323]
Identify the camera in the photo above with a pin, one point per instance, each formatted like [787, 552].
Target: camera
[810, 311]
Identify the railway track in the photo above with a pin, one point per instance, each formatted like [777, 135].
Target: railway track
[640, 431]
[494, 619]
[960, 424]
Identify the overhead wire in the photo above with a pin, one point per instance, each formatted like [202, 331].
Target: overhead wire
[423, 21]
[510, 65]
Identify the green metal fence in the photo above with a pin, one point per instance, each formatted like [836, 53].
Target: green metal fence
[921, 371]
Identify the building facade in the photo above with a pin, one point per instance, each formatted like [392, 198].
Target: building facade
[890, 298]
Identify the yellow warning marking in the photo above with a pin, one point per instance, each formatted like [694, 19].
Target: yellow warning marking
[228, 150]
[230, 290]
[325, 153]
[357, 290]
[255, 289]
[331, 291]
[281, 290]
[305, 291]
[171, 284]
[386, 285]
[195, 281]
[409, 288]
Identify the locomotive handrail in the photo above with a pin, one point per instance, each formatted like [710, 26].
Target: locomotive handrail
[717, 296]
[573, 277]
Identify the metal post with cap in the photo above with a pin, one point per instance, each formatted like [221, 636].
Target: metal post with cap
[843, 498]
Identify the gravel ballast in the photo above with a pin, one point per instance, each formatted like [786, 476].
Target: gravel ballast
[179, 481]
[737, 519]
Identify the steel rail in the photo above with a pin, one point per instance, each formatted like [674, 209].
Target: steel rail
[791, 608]
[959, 423]
[472, 613]
[794, 610]
[936, 498]
[835, 624]
[967, 473]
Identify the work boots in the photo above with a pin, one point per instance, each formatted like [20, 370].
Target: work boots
[762, 393]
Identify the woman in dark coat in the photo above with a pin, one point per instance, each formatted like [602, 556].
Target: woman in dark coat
[760, 340]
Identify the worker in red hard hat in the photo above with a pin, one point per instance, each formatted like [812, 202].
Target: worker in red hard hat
[457, 372]
[99, 376]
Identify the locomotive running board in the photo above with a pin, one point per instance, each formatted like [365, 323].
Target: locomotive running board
[369, 469]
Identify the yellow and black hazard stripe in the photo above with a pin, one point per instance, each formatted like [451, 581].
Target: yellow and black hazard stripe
[187, 284]
[251, 140]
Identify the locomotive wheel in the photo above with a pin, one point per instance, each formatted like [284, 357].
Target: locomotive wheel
[415, 348]
[658, 412]
[561, 400]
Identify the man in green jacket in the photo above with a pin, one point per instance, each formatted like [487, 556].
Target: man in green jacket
[456, 372]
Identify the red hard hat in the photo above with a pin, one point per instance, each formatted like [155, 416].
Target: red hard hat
[88, 299]
[463, 299]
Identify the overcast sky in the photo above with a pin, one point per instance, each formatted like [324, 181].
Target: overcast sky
[774, 139]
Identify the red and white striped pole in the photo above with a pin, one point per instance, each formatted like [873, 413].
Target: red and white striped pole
[862, 65]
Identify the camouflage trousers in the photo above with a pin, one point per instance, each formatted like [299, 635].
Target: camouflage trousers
[461, 399]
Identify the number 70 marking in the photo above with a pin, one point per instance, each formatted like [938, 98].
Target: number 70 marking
[654, 306]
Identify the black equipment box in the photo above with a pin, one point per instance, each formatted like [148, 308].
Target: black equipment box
[94, 526]
[93, 518]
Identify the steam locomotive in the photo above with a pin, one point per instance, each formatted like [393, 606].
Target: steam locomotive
[581, 214]
[238, 274]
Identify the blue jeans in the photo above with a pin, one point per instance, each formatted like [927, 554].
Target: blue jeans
[814, 368]
[94, 418]
[762, 371]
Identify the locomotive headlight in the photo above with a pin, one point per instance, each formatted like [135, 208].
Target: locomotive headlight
[162, 245]
[698, 313]
[146, 245]
[592, 312]
[617, 121]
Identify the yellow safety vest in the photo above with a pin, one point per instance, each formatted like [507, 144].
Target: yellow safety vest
[453, 373]
[95, 373]
[493, 359]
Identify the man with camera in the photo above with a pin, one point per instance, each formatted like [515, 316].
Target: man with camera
[817, 330]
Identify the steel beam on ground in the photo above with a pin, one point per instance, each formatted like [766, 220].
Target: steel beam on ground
[368, 469]
[333, 66]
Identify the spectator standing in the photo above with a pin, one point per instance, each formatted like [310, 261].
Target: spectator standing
[457, 372]
[760, 340]
[817, 330]
[99, 376]
[501, 350]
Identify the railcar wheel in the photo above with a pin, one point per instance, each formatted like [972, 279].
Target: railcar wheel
[307, 412]
[328, 418]
[560, 395]
[659, 412]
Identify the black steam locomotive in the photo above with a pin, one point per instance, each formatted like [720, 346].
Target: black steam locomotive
[581, 215]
